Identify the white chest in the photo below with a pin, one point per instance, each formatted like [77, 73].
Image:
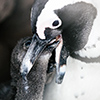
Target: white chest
[81, 82]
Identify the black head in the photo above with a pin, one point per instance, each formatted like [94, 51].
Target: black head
[77, 20]
[74, 21]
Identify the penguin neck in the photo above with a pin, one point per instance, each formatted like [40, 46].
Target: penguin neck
[36, 79]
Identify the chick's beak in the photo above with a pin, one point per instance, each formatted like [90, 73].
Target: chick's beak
[35, 49]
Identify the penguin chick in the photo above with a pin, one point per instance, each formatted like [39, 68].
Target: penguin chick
[33, 87]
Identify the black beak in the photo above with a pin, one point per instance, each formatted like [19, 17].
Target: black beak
[35, 49]
[60, 68]
[61, 64]
[60, 58]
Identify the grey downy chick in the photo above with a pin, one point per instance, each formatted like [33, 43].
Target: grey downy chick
[31, 88]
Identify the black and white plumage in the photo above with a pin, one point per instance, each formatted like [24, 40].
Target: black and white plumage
[79, 23]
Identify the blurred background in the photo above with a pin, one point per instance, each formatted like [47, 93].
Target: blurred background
[14, 24]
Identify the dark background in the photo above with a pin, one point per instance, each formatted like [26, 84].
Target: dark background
[14, 24]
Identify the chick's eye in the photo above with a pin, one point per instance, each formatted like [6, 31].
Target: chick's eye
[55, 23]
[26, 44]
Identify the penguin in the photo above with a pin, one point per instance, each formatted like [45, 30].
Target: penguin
[77, 23]
[32, 87]
[71, 21]
[35, 49]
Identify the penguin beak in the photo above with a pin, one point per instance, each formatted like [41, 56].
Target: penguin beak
[35, 49]
[59, 76]
[60, 69]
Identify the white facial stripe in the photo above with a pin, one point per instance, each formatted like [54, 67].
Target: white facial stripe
[45, 21]
[47, 16]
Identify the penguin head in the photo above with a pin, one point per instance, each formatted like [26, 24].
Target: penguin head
[73, 20]
[70, 20]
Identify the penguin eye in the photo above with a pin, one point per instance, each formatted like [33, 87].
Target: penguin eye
[27, 44]
[55, 23]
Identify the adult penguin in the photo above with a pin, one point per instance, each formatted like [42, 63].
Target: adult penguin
[75, 21]
[78, 22]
